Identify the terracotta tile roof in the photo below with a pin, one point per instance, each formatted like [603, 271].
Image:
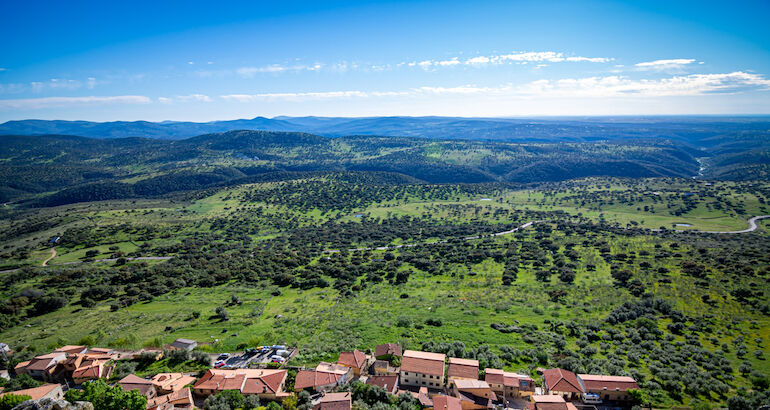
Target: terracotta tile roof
[386, 382]
[387, 349]
[549, 402]
[424, 397]
[446, 403]
[467, 368]
[508, 379]
[423, 362]
[35, 393]
[315, 378]
[93, 371]
[594, 382]
[562, 380]
[45, 361]
[71, 349]
[171, 381]
[463, 384]
[238, 379]
[178, 399]
[133, 381]
[335, 401]
[332, 368]
[355, 359]
[22, 365]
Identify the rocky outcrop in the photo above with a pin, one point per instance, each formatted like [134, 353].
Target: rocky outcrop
[51, 404]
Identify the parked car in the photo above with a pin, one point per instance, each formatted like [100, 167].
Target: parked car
[223, 356]
[277, 358]
[251, 351]
[219, 364]
[591, 398]
[279, 347]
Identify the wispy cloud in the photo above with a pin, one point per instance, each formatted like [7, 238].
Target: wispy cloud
[249, 72]
[675, 65]
[588, 87]
[35, 103]
[510, 58]
[194, 98]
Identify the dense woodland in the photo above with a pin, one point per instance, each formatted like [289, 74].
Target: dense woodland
[295, 238]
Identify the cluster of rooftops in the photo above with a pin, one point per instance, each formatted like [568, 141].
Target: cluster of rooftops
[438, 382]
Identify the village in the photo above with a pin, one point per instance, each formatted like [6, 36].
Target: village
[436, 381]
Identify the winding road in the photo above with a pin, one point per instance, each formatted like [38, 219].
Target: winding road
[752, 226]
[53, 255]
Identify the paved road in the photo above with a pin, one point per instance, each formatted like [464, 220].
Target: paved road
[752, 226]
[409, 245]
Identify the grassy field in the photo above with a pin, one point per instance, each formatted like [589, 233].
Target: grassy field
[466, 298]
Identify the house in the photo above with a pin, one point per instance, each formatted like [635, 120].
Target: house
[563, 383]
[549, 402]
[165, 383]
[45, 367]
[387, 351]
[421, 395]
[422, 369]
[265, 383]
[356, 360]
[180, 399]
[441, 402]
[46, 391]
[70, 349]
[462, 369]
[92, 370]
[609, 388]
[134, 382]
[324, 377]
[389, 383]
[334, 401]
[473, 394]
[384, 368]
[184, 344]
[507, 384]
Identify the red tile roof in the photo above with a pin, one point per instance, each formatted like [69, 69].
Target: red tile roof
[508, 379]
[446, 403]
[594, 382]
[314, 378]
[386, 382]
[423, 362]
[335, 401]
[387, 349]
[35, 393]
[467, 368]
[562, 380]
[252, 380]
[71, 349]
[355, 359]
[133, 381]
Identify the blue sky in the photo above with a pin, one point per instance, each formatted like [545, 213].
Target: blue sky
[202, 61]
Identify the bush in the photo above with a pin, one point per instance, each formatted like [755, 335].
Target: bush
[10, 401]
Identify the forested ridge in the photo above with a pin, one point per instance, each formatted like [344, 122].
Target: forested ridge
[53, 169]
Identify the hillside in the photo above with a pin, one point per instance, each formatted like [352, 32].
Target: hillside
[54, 169]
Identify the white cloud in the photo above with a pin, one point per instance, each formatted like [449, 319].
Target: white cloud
[165, 100]
[193, 98]
[3, 69]
[510, 58]
[323, 95]
[250, 72]
[34, 103]
[588, 87]
[675, 65]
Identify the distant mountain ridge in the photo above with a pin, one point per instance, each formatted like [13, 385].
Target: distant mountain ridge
[694, 130]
